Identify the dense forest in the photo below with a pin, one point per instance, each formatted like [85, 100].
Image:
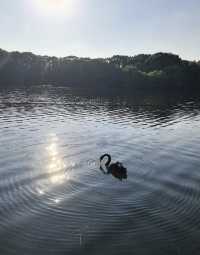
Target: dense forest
[160, 70]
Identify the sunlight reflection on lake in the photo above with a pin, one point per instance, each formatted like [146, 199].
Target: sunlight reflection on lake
[56, 166]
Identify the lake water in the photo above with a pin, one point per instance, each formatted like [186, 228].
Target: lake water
[55, 200]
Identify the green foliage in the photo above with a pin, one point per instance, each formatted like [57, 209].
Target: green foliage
[156, 74]
[142, 71]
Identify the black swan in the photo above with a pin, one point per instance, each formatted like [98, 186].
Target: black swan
[116, 169]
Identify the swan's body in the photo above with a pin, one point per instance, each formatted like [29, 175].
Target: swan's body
[116, 169]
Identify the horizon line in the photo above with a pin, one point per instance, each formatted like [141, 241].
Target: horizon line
[64, 56]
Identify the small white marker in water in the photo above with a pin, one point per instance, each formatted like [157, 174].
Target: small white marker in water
[80, 239]
[41, 192]
[56, 200]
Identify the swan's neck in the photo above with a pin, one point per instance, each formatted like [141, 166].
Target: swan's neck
[108, 161]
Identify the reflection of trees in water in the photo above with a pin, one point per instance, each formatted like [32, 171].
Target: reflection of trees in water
[161, 107]
[157, 106]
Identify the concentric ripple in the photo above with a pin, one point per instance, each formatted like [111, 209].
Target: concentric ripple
[55, 200]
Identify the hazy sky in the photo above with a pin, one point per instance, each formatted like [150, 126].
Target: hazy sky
[98, 28]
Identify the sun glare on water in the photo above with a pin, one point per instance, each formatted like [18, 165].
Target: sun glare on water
[56, 166]
[56, 170]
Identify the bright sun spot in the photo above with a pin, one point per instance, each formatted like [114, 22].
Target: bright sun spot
[54, 7]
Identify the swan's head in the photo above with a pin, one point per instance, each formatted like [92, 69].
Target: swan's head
[108, 159]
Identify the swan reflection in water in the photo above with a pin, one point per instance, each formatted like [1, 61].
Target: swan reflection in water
[116, 169]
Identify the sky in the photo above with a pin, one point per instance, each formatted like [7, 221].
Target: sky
[101, 28]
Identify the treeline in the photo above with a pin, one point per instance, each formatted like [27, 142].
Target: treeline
[160, 70]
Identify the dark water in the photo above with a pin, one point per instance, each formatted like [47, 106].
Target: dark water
[55, 200]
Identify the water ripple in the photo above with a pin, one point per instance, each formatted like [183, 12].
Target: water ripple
[55, 200]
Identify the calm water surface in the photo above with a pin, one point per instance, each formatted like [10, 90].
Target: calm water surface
[55, 200]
